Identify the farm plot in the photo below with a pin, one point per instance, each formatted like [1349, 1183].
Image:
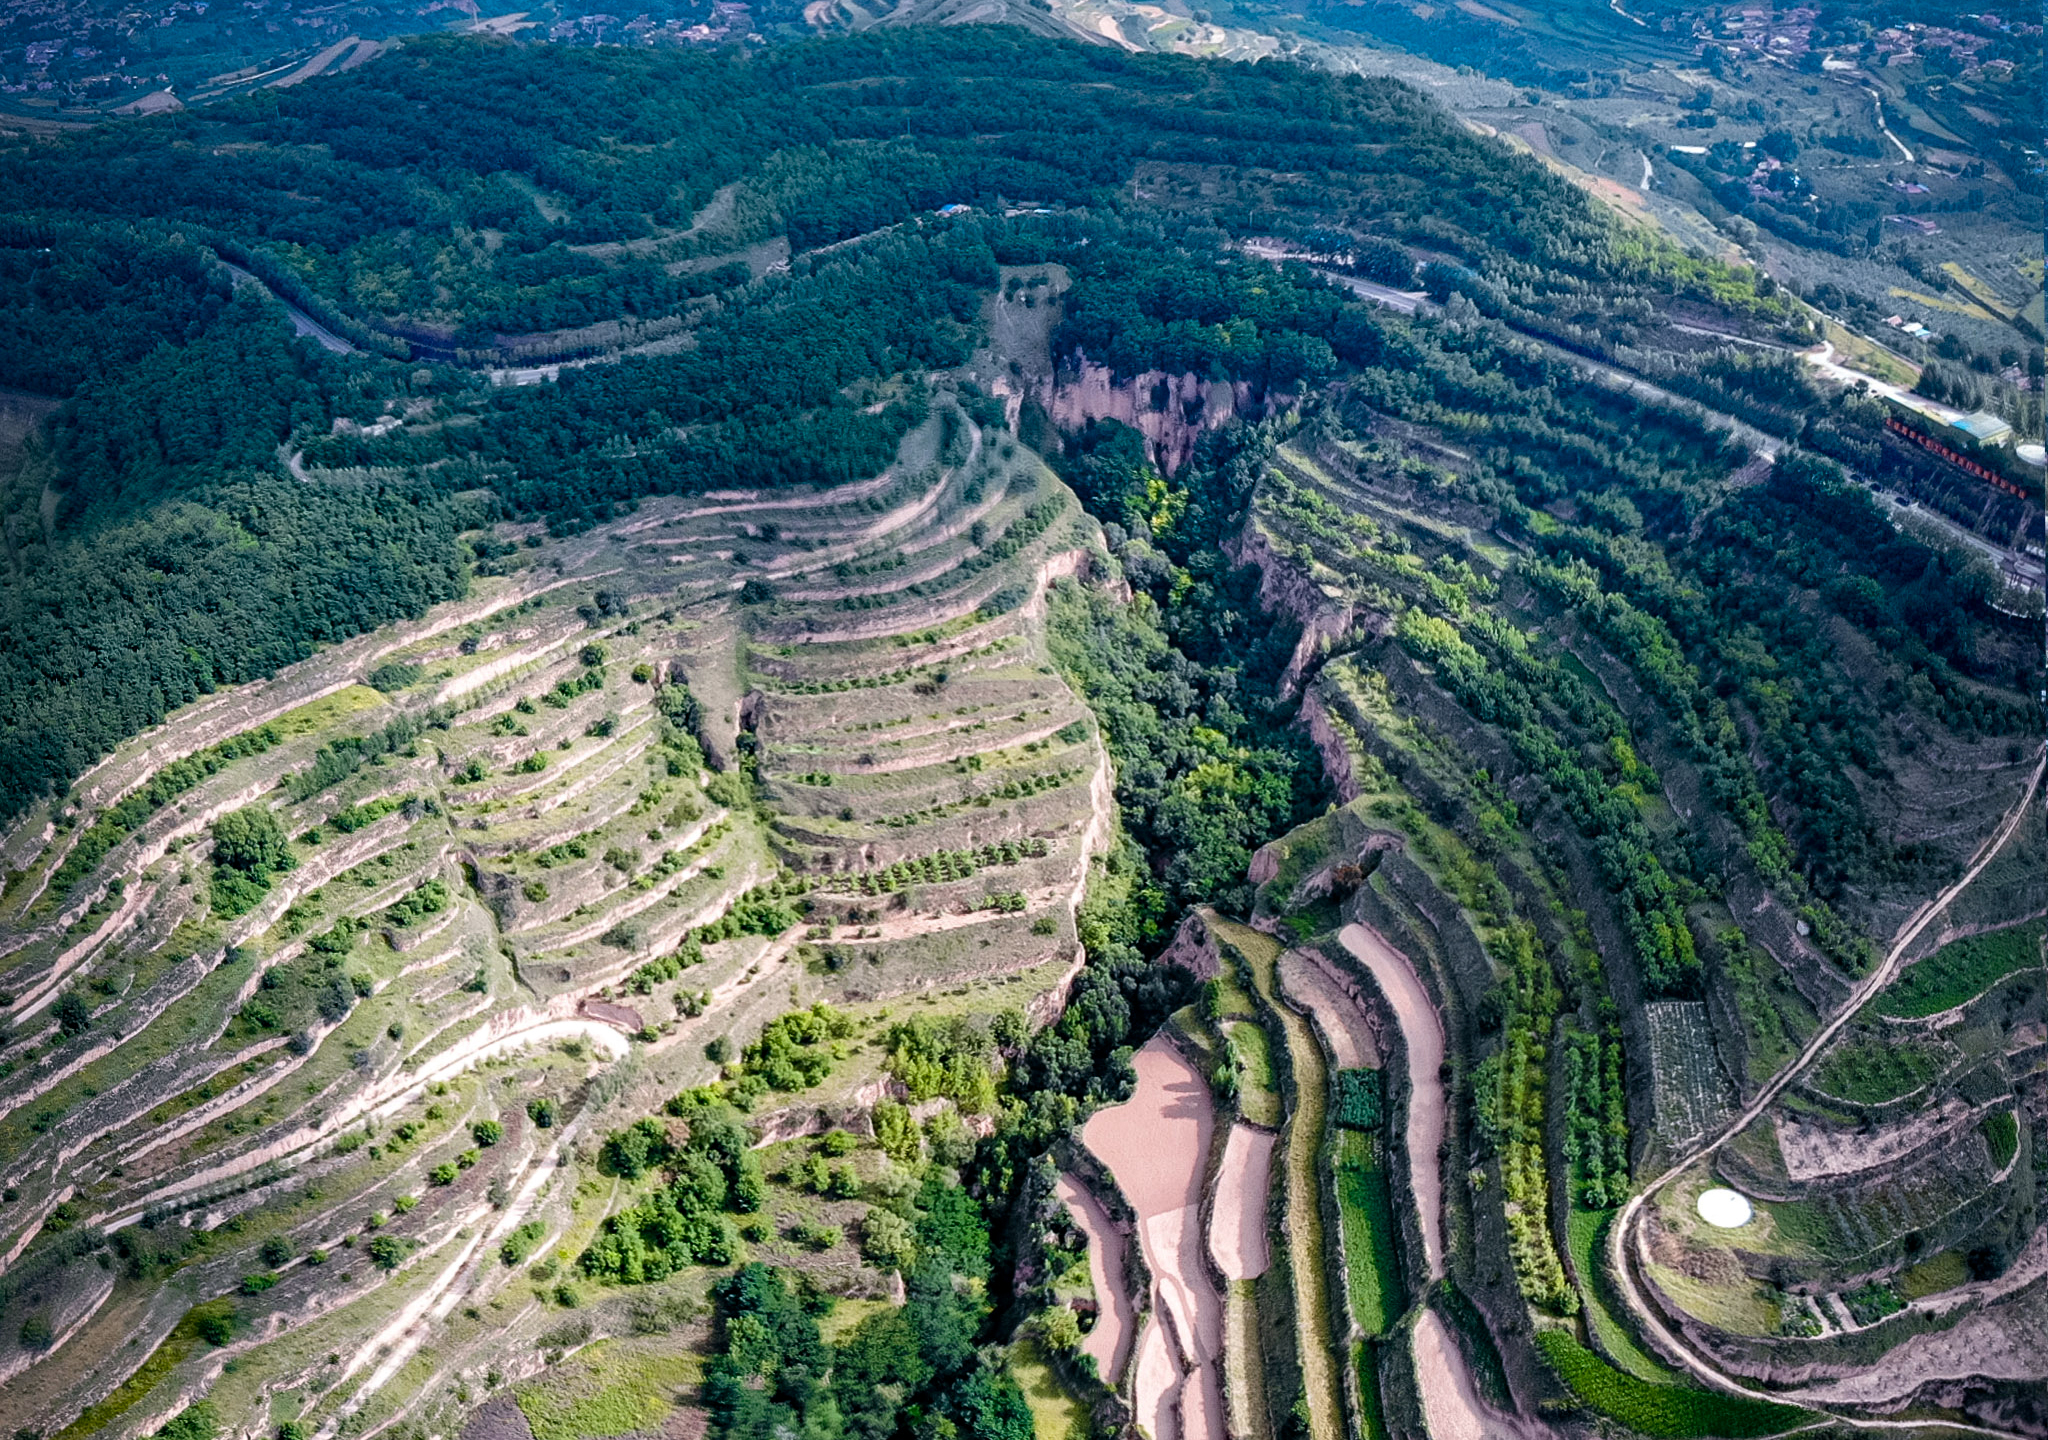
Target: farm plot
[1237, 1237]
[1693, 1094]
[1423, 1031]
[1366, 1209]
[1962, 970]
[1663, 1412]
[1156, 1144]
[1109, 1343]
[1869, 1068]
[1252, 1051]
[1303, 1173]
[1848, 1227]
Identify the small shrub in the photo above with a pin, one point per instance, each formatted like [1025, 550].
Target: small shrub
[813, 1236]
[72, 1014]
[194, 1422]
[394, 675]
[521, 1243]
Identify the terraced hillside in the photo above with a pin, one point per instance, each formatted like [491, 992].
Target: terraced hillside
[1542, 861]
[319, 995]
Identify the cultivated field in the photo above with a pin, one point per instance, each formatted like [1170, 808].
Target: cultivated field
[1156, 1144]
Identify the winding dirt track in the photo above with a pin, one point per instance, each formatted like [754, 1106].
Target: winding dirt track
[1628, 1223]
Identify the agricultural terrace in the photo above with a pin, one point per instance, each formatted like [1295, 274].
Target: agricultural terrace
[1156, 1145]
[1693, 1096]
[1223, 1032]
[344, 956]
[1108, 1342]
[1302, 1172]
[1962, 970]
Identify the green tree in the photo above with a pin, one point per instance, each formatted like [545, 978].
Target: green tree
[251, 840]
[194, 1422]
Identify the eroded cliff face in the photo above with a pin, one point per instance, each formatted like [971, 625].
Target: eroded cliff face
[1170, 411]
[1326, 615]
[1329, 743]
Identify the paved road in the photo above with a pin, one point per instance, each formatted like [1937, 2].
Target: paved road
[1405, 301]
[1626, 1227]
[302, 323]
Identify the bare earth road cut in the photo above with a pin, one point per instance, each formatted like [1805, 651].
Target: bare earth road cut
[1238, 1227]
[1156, 1144]
[1423, 1031]
[1109, 1343]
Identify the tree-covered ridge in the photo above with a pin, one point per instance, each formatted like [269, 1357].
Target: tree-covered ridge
[481, 185]
[457, 189]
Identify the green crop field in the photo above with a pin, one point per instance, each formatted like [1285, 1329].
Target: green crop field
[1586, 1234]
[1366, 1206]
[1665, 1412]
[2002, 1135]
[1869, 1071]
[1961, 970]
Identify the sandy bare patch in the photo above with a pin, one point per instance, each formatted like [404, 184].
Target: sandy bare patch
[1450, 1408]
[1311, 979]
[1109, 1342]
[1237, 1235]
[1423, 1031]
[1157, 1146]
